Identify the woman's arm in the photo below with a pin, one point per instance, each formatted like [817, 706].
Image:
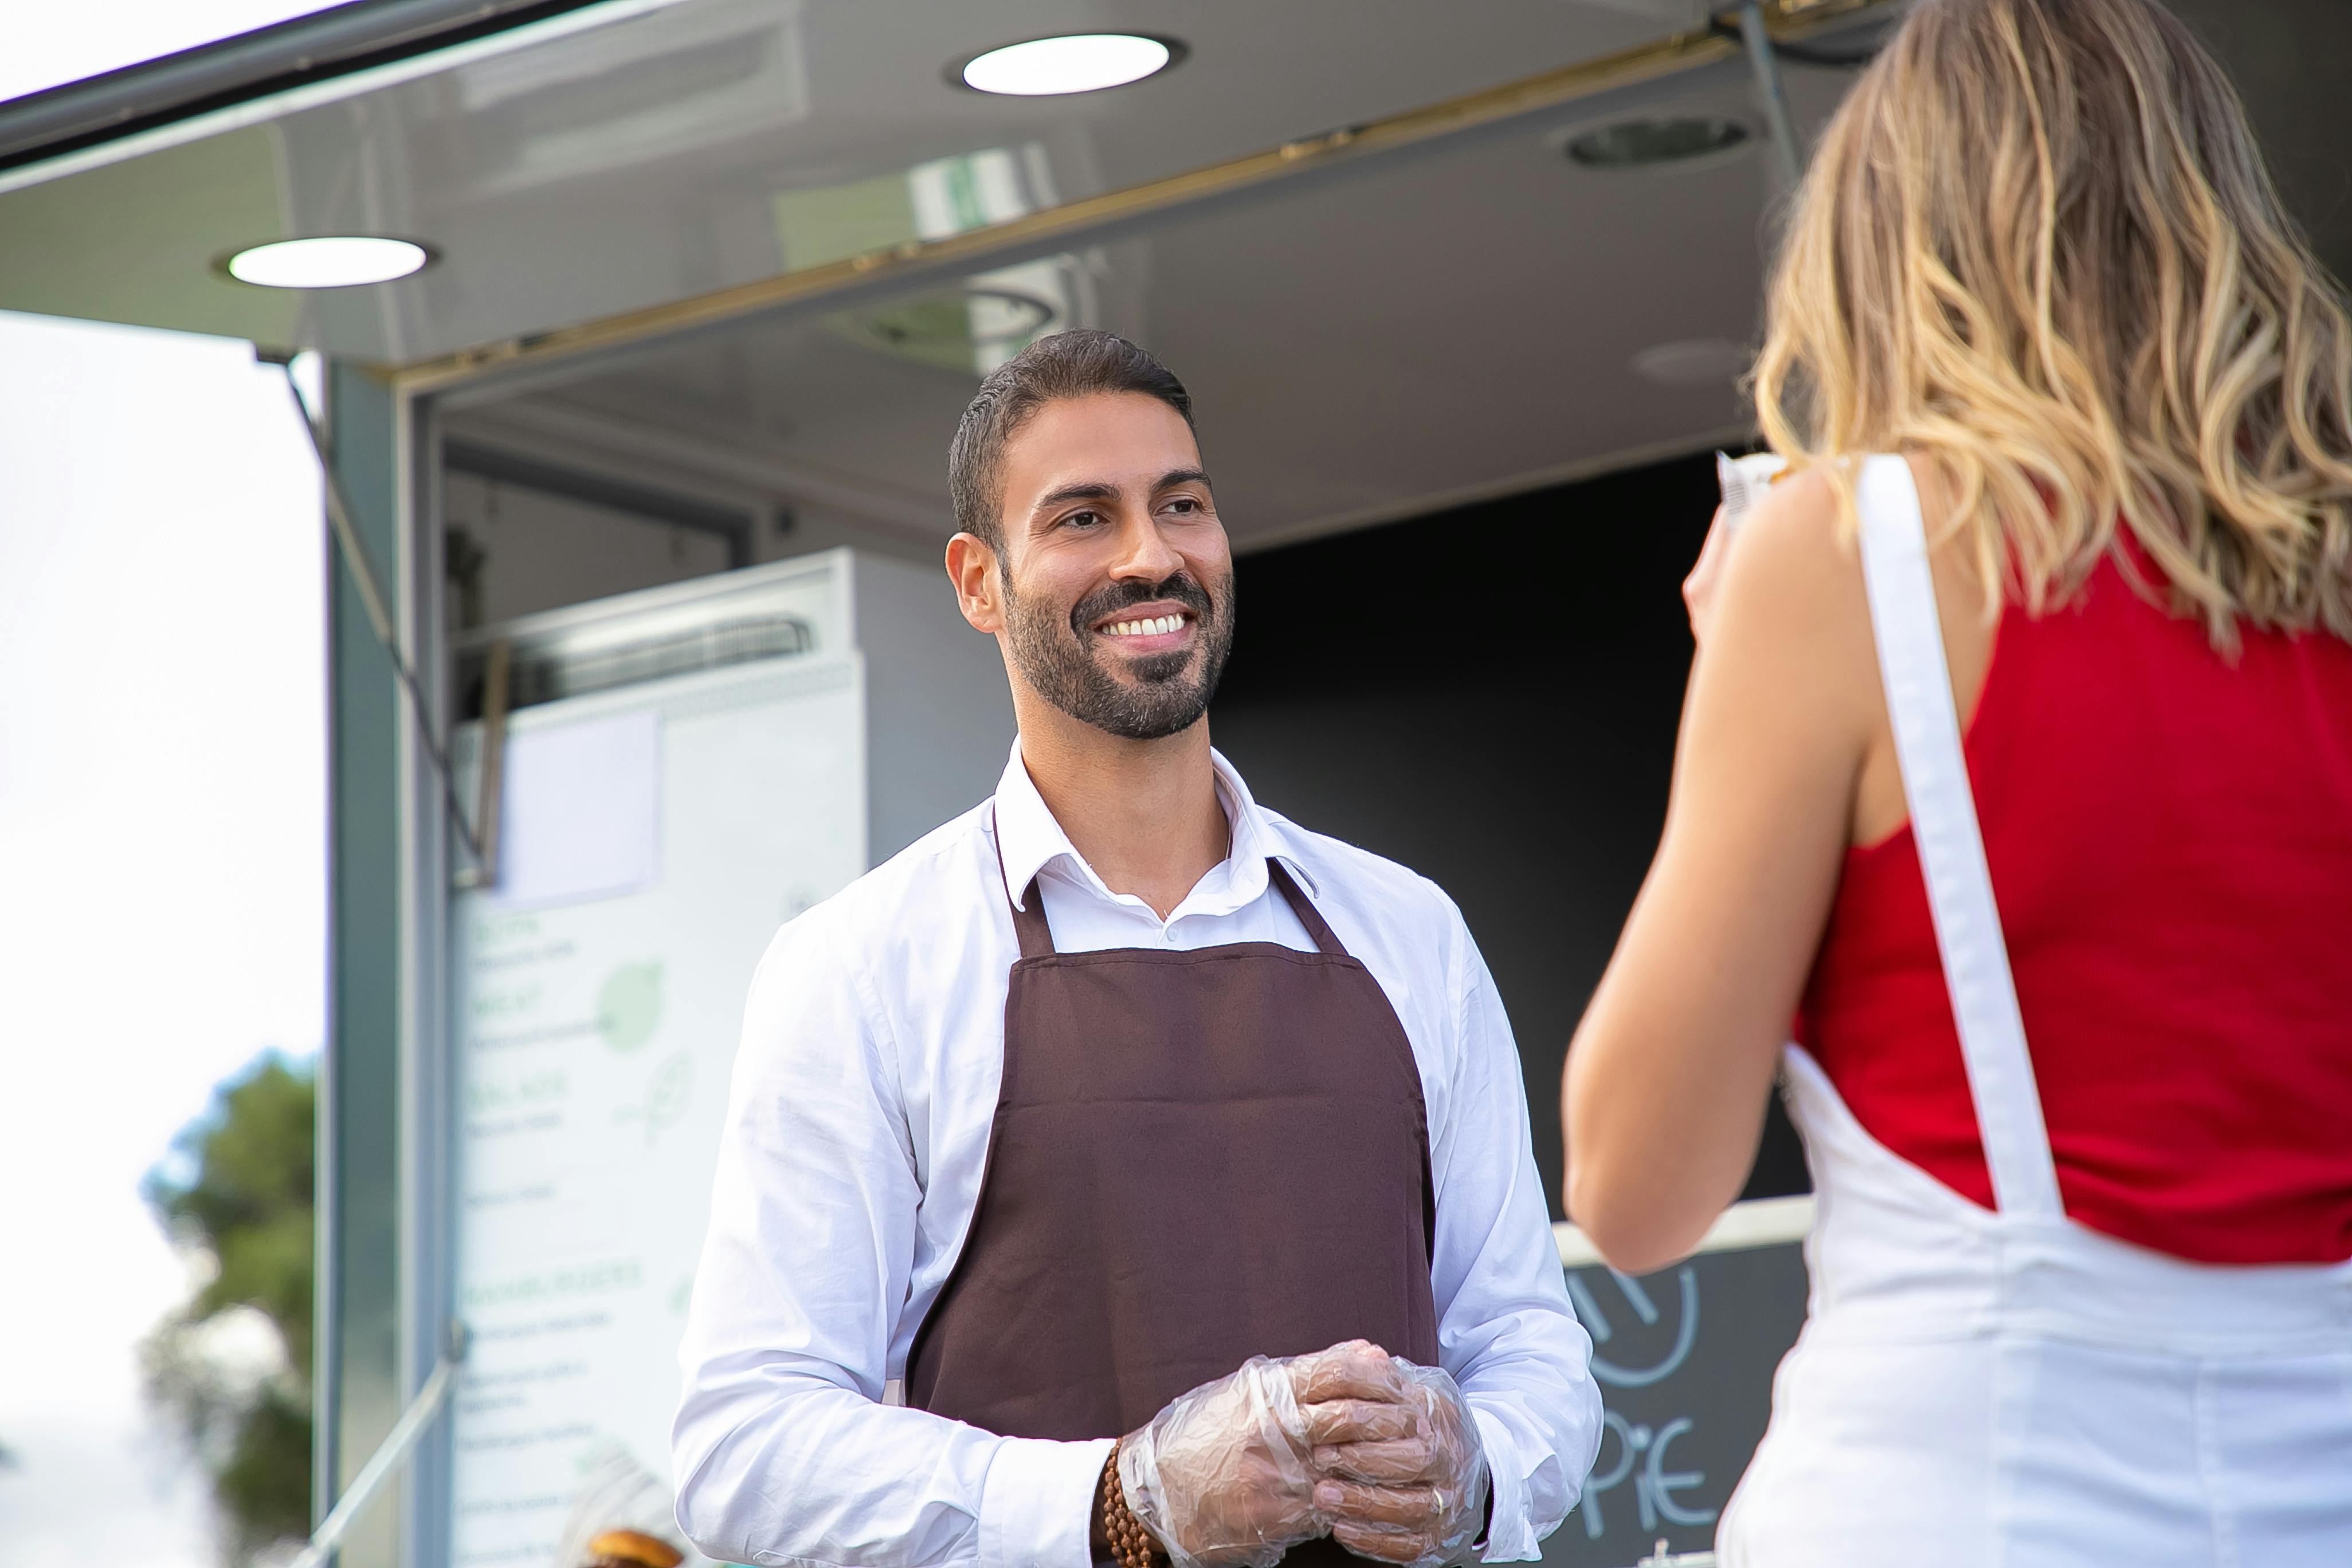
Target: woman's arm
[1669, 1075]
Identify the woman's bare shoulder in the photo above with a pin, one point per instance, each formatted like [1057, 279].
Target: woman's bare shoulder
[1794, 565]
[1794, 618]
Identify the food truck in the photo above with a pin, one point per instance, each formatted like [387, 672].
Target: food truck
[632, 333]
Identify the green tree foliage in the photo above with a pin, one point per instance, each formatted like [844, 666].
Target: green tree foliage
[236, 1193]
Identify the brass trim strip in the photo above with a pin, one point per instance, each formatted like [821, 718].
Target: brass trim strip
[915, 259]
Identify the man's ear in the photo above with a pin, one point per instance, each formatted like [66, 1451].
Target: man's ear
[972, 567]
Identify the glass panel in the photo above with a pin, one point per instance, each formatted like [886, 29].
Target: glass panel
[49, 46]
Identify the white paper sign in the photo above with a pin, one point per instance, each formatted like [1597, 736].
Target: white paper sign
[580, 812]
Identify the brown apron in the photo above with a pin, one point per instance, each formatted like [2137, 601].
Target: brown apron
[1197, 1157]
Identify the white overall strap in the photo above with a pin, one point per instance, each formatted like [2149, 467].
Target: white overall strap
[1951, 851]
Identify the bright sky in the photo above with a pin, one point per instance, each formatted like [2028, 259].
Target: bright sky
[162, 846]
[162, 830]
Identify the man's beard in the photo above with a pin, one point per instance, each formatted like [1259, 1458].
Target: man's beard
[1055, 654]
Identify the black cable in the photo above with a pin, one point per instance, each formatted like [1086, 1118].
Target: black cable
[344, 532]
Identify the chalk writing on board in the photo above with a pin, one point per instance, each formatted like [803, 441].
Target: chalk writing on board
[1684, 1360]
[1641, 1450]
[1655, 1486]
[1596, 1322]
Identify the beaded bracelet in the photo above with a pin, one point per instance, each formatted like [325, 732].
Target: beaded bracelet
[1131, 1545]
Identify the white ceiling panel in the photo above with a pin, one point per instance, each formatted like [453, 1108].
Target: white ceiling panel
[718, 141]
[1471, 316]
[1461, 321]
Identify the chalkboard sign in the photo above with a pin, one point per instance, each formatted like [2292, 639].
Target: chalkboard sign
[1685, 1358]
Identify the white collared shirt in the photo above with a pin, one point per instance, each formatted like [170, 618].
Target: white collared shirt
[857, 1128]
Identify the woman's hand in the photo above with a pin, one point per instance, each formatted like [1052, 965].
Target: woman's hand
[1698, 588]
[1672, 1066]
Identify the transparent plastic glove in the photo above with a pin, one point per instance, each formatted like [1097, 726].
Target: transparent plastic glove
[1221, 1476]
[1419, 1499]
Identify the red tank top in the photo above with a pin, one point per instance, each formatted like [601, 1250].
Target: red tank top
[2169, 836]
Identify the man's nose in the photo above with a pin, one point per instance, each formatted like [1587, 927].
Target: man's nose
[1144, 553]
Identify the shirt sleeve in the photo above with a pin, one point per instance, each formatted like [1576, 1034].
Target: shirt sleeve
[1504, 1329]
[783, 1450]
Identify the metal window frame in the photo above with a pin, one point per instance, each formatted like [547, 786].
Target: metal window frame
[266, 61]
[733, 525]
[66, 144]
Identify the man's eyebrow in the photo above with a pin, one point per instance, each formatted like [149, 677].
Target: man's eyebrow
[1095, 490]
[1099, 490]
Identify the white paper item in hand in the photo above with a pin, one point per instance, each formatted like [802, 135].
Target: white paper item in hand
[1745, 480]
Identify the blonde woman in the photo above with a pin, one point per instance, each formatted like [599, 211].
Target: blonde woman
[2017, 766]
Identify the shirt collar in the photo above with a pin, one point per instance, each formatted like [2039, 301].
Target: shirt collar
[1029, 839]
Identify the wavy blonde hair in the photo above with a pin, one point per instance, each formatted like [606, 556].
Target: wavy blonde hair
[2038, 244]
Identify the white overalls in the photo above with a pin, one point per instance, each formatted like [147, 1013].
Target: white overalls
[1976, 1388]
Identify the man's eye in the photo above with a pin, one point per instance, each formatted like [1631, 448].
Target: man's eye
[1082, 519]
[1188, 504]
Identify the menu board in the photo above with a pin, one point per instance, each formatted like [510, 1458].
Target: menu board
[654, 837]
[1684, 1359]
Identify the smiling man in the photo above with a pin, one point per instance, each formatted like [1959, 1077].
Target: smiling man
[1123, 1172]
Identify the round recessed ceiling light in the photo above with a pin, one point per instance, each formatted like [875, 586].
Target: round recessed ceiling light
[1647, 143]
[330, 261]
[1075, 62]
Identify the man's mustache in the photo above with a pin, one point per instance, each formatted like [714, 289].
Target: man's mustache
[1102, 602]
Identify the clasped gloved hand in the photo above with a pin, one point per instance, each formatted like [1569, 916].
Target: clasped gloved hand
[1420, 1498]
[1350, 1442]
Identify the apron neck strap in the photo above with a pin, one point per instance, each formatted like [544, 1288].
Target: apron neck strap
[1029, 915]
[1928, 745]
[1036, 937]
[1325, 940]
[1029, 924]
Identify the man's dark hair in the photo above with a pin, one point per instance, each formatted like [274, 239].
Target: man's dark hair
[1075, 364]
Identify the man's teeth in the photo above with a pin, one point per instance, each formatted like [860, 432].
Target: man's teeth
[1152, 627]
